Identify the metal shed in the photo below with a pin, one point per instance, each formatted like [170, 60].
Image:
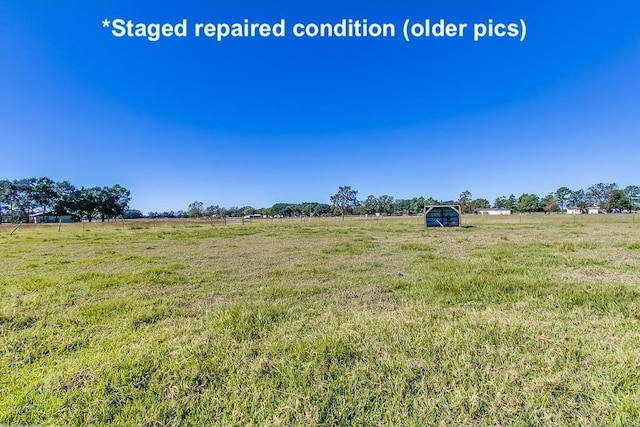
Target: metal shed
[442, 215]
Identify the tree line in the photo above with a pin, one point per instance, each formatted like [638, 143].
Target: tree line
[21, 198]
[606, 197]
[198, 210]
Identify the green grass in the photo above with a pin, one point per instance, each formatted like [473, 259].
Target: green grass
[531, 320]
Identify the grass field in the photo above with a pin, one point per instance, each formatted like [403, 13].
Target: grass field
[531, 320]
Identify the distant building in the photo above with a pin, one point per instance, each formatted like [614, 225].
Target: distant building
[49, 217]
[493, 211]
[573, 210]
[593, 210]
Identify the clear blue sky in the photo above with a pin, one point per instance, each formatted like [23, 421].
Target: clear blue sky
[256, 121]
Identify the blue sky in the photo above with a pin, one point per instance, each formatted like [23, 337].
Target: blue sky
[255, 121]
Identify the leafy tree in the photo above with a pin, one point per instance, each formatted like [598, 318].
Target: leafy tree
[385, 204]
[5, 199]
[633, 194]
[401, 206]
[195, 209]
[113, 201]
[416, 204]
[464, 200]
[578, 199]
[84, 203]
[165, 214]
[549, 203]
[371, 204]
[563, 197]
[132, 214]
[344, 200]
[618, 199]
[322, 209]
[476, 204]
[600, 194]
[248, 210]
[122, 197]
[234, 211]
[501, 202]
[306, 209]
[528, 203]
[211, 210]
[358, 209]
[45, 194]
[506, 202]
[431, 201]
[282, 209]
[265, 212]
[64, 190]
[25, 193]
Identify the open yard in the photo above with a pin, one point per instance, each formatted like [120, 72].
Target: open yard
[531, 320]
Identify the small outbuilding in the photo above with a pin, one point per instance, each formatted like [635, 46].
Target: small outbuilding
[442, 215]
[49, 217]
[573, 210]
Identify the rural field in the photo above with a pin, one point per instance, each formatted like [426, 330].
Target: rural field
[524, 320]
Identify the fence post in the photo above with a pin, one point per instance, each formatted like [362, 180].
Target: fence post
[17, 226]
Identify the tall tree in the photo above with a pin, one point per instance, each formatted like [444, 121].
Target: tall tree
[478, 204]
[25, 196]
[132, 214]
[578, 199]
[549, 203]
[195, 209]
[464, 201]
[563, 197]
[618, 199]
[401, 205]
[417, 204]
[5, 190]
[430, 201]
[633, 194]
[600, 194]
[385, 203]
[120, 198]
[344, 200]
[83, 203]
[371, 204]
[321, 209]
[45, 194]
[211, 210]
[501, 202]
[65, 191]
[248, 210]
[528, 203]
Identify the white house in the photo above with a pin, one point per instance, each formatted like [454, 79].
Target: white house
[573, 210]
[593, 210]
[493, 211]
[43, 217]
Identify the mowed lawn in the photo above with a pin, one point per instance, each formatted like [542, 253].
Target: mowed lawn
[523, 320]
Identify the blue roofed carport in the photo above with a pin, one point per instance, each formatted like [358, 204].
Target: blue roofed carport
[442, 215]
